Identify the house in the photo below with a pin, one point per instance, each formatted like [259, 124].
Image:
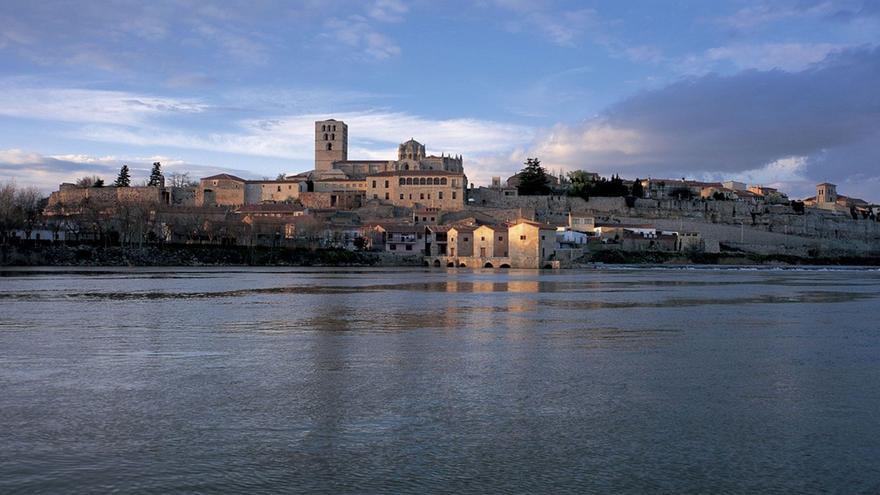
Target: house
[460, 241]
[581, 222]
[403, 239]
[490, 241]
[531, 244]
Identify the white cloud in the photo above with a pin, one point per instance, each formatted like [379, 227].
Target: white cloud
[790, 57]
[85, 105]
[387, 10]
[357, 33]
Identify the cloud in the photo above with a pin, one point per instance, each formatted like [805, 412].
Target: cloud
[827, 115]
[86, 105]
[764, 56]
[387, 10]
[47, 171]
[357, 33]
[562, 28]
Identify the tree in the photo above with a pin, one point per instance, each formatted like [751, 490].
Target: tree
[124, 178]
[638, 190]
[281, 176]
[87, 181]
[156, 179]
[533, 179]
[181, 179]
[98, 183]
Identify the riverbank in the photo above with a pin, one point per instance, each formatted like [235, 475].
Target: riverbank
[210, 255]
[192, 255]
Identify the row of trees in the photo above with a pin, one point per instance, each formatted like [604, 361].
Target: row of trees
[533, 180]
[20, 209]
[175, 179]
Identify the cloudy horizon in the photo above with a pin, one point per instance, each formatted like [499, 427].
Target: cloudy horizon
[778, 93]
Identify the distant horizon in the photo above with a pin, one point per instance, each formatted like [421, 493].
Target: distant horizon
[781, 94]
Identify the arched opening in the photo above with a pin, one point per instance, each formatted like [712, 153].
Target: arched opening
[406, 166]
[329, 146]
[450, 265]
[402, 181]
[409, 181]
[436, 181]
[462, 265]
[425, 263]
[488, 265]
[548, 266]
[504, 265]
[437, 263]
[324, 128]
[422, 181]
[443, 181]
[333, 137]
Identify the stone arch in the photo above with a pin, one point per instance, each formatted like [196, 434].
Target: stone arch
[488, 265]
[504, 265]
[450, 265]
[462, 265]
[548, 266]
[437, 263]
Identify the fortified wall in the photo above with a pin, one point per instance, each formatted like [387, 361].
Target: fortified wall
[752, 227]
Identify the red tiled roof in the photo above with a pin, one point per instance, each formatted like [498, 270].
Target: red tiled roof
[412, 173]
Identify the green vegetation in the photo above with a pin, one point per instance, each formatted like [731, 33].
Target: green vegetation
[533, 179]
[582, 186]
[124, 178]
[156, 175]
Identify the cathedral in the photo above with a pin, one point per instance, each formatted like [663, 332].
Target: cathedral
[331, 156]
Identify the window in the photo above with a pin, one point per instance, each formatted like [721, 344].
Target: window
[333, 137]
[543, 237]
[374, 184]
[409, 181]
[432, 219]
[401, 196]
[440, 195]
[465, 239]
[409, 247]
[323, 128]
[429, 195]
[375, 196]
[334, 127]
[453, 194]
[522, 237]
[402, 182]
[392, 247]
[279, 188]
[325, 137]
[443, 181]
[500, 238]
[421, 195]
[329, 146]
[436, 181]
[387, 196]
[410, 196]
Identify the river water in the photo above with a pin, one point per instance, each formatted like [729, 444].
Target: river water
[411, 381]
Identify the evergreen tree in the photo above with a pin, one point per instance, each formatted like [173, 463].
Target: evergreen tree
[638, 190]
[124, 178]
[156, 178]
[98, 183]
[533, 179]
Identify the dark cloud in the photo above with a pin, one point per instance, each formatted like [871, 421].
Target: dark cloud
[829, 114]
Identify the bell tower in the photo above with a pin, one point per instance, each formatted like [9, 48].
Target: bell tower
[331, 143]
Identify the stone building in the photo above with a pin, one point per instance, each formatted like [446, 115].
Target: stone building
[418, 188]
[531, 244]
[491, 241]
[460, 241]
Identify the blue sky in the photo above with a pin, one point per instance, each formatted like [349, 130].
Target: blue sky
[780, 93]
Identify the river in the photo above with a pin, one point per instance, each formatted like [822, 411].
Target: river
[258, 380]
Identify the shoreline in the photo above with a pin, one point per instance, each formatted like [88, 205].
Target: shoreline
[194, 255]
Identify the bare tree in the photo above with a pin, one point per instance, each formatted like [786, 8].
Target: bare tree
[182, 179]
[88, 181]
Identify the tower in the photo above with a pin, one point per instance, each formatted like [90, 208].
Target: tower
[826, 193]
[331, 143]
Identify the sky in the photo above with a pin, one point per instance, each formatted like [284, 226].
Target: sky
[779, 93]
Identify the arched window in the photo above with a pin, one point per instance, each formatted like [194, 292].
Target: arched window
[436, 181]
[409, 181]
[406, 166]
[443, 181]
[333, 137]
[325, 137]
[323, 128]
[402, 181]
[329, 146]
